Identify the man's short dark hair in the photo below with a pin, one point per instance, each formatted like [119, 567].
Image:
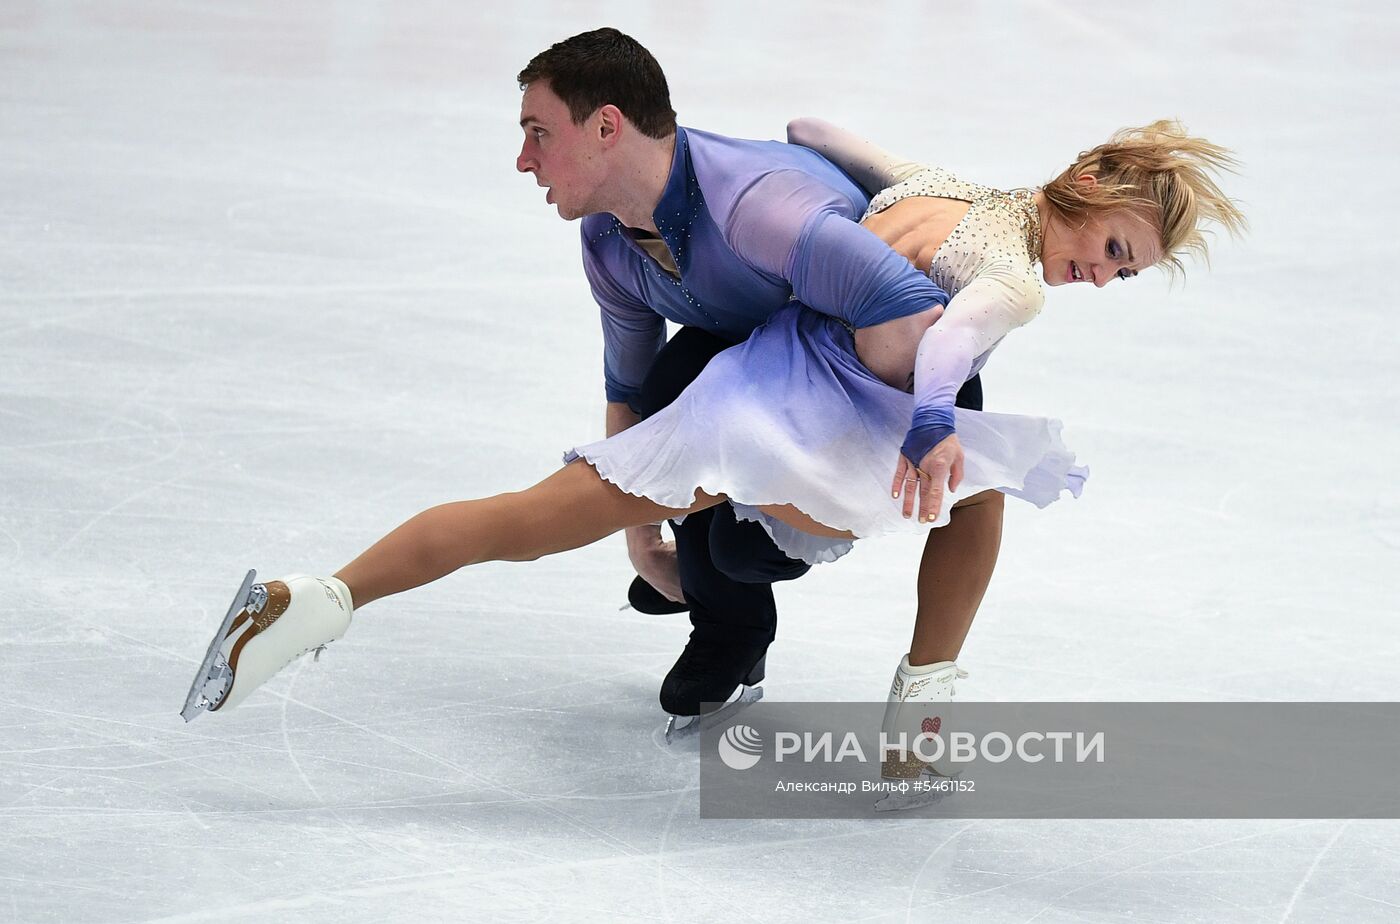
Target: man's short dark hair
[592, 69]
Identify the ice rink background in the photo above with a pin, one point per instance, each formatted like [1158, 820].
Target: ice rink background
[269, 284]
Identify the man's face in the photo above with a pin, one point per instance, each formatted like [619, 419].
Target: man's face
[565, 158]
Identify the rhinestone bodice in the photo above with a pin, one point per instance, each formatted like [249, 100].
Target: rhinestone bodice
[1000, 228]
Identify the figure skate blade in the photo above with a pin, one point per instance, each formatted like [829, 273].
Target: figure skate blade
[210, 675]
[694, 725]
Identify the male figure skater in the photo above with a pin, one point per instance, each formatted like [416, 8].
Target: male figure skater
[715, 234]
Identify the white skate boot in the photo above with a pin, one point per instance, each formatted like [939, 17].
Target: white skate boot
[267, 627]
[918, 705]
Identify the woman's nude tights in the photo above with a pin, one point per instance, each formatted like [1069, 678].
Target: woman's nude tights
[575, 507]
[571, 508]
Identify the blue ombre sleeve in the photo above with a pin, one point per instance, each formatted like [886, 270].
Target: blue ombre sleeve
[984, 311]
[789, 225]
[632, 332]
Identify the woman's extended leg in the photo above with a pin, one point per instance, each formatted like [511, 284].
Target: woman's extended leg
[275, 622]
[953, 576]
[571, 508]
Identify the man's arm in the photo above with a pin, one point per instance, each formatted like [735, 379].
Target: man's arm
[632, 335]
[792, 226]
[620, 417]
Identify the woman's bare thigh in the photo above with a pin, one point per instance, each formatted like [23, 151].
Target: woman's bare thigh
[576, 494]
[790, 515]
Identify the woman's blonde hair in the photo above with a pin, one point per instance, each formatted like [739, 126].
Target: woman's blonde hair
[1160, 172]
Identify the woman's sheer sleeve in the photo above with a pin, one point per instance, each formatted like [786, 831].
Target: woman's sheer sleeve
[867, 163]
[998, 301]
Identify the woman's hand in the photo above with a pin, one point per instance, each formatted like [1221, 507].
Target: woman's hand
[943, 465]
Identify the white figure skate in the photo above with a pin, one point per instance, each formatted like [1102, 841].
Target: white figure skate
[268, 627]
[918, 705]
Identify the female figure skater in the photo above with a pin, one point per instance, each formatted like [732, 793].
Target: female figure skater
[799, 426]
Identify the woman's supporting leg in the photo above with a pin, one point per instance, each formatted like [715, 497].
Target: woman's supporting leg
[571, 508]
[957, 567]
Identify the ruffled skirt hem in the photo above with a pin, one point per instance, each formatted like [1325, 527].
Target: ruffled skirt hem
[791, 417]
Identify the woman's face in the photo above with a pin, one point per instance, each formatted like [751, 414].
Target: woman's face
[1114, 245]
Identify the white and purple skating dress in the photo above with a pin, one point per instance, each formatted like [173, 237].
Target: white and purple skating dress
[791, 416]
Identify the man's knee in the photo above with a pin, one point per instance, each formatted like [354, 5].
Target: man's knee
[749, 570]
[744, 552]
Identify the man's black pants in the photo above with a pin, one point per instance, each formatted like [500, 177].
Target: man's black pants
[727, 566]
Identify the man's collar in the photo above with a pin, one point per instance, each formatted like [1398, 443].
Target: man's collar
[680, 199]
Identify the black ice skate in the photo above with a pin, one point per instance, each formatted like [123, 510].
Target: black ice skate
[720, 664]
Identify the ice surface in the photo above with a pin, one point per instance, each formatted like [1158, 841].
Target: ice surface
[269, 284]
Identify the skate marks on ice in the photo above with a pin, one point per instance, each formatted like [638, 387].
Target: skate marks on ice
[224, 788]
[908, 801]
[113, 809]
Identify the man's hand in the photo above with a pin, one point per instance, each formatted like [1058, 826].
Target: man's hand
[655, 560]
[943, 465]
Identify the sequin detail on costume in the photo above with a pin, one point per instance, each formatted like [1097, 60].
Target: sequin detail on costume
[999, 225]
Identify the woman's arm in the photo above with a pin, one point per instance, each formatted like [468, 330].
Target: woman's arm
[984, 311]
[868, 164]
